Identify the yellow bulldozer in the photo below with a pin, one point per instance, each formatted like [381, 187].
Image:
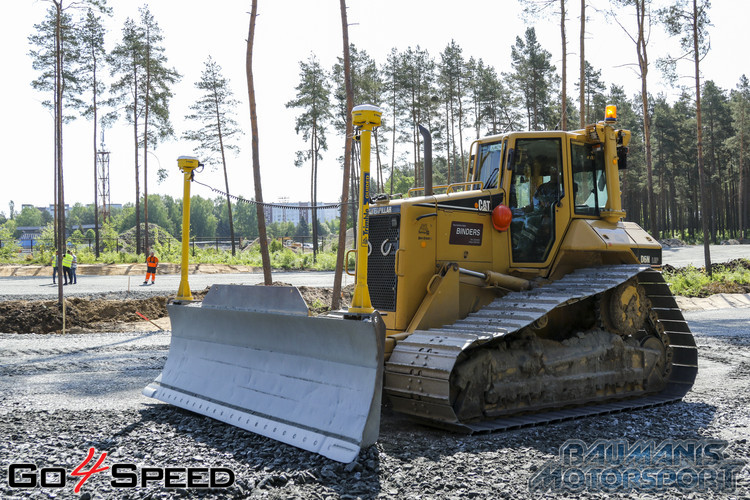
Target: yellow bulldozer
[515, 298]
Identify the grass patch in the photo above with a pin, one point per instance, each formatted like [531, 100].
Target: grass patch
[731, 277]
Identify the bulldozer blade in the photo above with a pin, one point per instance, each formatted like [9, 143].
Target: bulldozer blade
[252, 357]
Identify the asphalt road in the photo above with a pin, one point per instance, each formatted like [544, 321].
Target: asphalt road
[693, 255]
[165, 283]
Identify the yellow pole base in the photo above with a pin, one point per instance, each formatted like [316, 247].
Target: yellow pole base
[183, 292]
[361, 299]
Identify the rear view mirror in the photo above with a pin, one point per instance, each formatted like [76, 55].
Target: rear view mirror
[511, 158]
[622, 158]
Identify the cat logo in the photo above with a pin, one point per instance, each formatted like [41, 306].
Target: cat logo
[483, 206]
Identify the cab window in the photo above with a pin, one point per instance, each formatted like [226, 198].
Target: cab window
[535, 189]
[589, 178]
[488, 160]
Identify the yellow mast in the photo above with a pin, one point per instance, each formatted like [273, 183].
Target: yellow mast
[187, 164]
[365, 117]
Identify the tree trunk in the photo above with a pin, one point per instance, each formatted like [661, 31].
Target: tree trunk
[96, 180]
[145, 142]
[641, 43]
[461, 125]
[742, 198]
[226, 183]
[267, 279]
[341, 250]
[61, 241]
[582, 73]
[705, 208]
[137, 182]
[448, 141]
[564, 104]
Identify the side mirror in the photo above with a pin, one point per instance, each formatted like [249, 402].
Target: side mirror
[511, 158]
[622, 158]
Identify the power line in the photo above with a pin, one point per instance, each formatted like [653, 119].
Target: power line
[253, 202]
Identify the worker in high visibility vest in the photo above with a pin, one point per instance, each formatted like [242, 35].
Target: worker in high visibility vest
[67, 262]
[151, 262]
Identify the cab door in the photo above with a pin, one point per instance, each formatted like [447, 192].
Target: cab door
[538, 199]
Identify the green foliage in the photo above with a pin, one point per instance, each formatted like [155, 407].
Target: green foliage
[534, 80]
[9, 244]
[275, 246]
[108, 237]
[694, 282]
[43, 54]
[29, 217]
[76, 238]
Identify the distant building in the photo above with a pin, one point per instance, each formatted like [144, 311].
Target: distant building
[51, 209]
[30, 236]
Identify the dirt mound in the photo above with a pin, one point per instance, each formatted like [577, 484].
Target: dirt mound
[732, 265]
[723, 287]
[672, 242]
[318, 299]
[21, 316]
[89, 315]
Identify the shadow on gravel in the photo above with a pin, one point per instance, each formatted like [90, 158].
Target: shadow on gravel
[259, 463]
[683, 420]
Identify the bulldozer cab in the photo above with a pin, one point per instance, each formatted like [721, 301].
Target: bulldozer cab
[536, 198]
[548, 179]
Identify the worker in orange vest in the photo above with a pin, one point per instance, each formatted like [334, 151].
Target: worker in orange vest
[151, 262]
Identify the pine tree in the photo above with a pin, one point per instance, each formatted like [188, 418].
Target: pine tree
[367, 88]
[497, 109]
[92, 62]
[313, 97]
[740, 103]
[214, 110]
[144, 86]
[55, 56]
[594, 90]
[451, 79]
[417, 81]
[689, 20]
[392, 91]
[533, 10]
[126, 61]
[157, 92]
[534, 80]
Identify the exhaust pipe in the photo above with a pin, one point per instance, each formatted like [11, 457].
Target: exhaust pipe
[427, 160]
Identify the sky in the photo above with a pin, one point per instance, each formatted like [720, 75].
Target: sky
[288, 32]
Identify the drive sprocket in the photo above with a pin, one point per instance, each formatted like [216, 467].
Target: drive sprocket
[624, 309]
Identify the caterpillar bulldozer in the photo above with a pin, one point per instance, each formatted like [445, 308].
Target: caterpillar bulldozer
[515, 298]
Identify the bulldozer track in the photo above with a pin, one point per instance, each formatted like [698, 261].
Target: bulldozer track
[418, 374]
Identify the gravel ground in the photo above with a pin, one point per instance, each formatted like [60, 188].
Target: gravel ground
[63, 395]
